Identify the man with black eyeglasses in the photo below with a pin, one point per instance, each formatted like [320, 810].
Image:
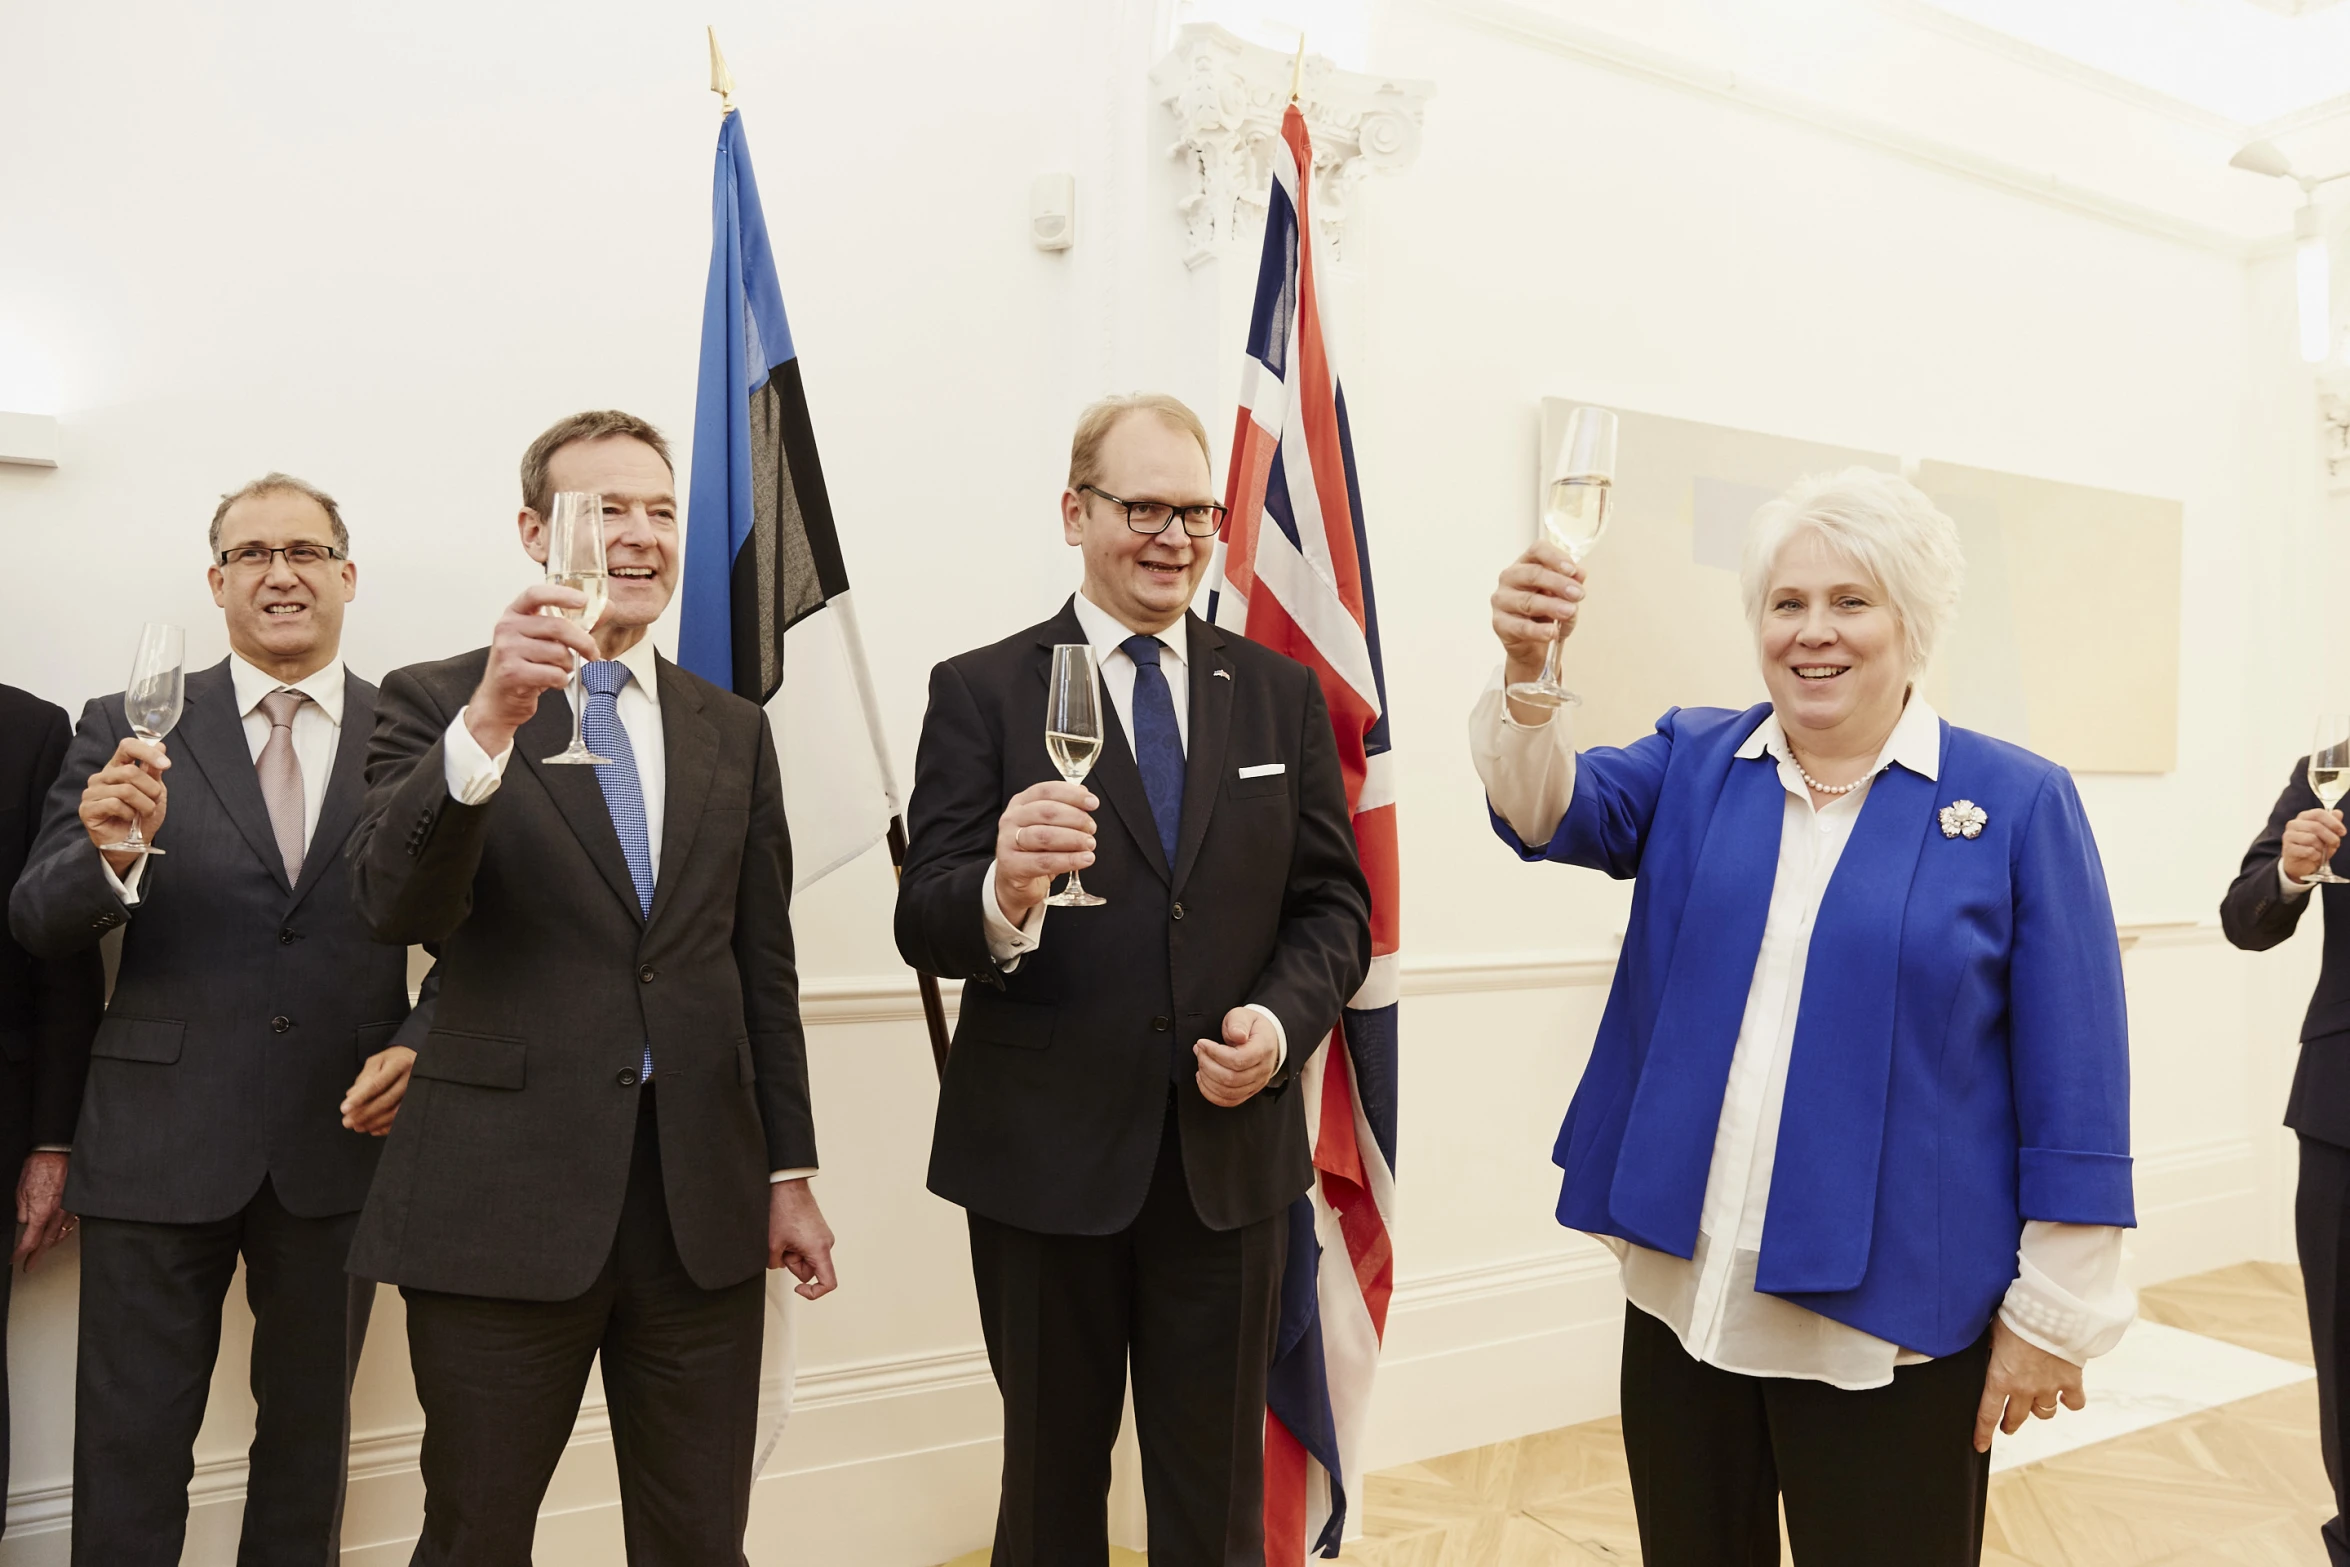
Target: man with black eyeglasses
[1119, 1114]
[248, 996]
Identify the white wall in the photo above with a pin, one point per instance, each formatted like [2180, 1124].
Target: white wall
[382, 246]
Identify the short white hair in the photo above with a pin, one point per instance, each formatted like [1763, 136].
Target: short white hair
[1881, 523]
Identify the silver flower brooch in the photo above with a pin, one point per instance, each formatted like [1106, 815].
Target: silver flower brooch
[1963, 819]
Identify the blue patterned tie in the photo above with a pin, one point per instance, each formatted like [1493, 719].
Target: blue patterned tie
[1158, 744]
[624, 791]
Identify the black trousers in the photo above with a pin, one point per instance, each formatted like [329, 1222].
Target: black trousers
[1192, 1310]
[2321, 1233]
[1869, 1478]
[500, 1381]
[151, 1298]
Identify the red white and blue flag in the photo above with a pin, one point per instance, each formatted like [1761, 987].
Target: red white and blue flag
[1293, 571]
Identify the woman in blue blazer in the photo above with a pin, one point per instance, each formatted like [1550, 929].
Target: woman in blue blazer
[1857, 1117]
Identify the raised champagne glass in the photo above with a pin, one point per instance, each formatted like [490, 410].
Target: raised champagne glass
[575, 559]
[1574, 515]
[2329, 774]
[152, 702]
[1073, 738]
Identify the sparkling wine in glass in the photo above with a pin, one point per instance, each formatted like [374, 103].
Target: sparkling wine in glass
[575, 559]
[152, 701]
[1574, 515]
[2329, 774]
[1073, 738]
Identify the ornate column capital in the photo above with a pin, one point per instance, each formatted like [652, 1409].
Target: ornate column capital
[1227, 96]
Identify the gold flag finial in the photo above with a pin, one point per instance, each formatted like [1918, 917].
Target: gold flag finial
[1297, 70]
[721, 79]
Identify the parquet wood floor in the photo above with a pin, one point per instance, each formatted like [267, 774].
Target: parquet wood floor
[2236, 1486]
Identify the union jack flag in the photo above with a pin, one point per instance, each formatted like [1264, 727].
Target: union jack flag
[1293, 571]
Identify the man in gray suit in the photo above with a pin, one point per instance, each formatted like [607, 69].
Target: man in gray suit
[248, 994]
[605, 1139]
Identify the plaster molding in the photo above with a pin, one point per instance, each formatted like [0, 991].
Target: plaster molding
[1593, 46]
[891, 998]
[1227, 96]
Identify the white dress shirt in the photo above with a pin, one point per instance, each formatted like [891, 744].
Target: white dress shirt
[318, 733]
[1007, 943]
[473, 775]
[2067, 1297]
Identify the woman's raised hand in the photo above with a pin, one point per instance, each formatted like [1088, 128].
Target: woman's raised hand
[1535, 604]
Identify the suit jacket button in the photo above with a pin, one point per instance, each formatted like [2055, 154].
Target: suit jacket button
[285, 938]
[278, 1025]
[1177, 911]
[646, 973]
[1159, 1025]
[627, 1077]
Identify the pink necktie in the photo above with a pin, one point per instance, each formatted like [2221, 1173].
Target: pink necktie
[281, 777]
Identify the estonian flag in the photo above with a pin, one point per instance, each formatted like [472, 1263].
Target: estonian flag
[766, 611]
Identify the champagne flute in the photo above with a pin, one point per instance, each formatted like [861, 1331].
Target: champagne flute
[2329, 774]
[575, 559]
[1574, 515]
[152, 702]
[1073, 738]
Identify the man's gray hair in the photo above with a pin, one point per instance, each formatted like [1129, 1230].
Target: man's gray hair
[283, 483]
[1881, 523]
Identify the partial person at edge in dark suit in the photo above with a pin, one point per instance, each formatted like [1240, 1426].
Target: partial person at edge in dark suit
[2262, 908]
[48, 1010]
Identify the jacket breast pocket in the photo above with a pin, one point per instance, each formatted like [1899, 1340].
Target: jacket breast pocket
[1265, 785]
[152, 1039]
[370, 1038]
[476, 1060]
[1023, 1025]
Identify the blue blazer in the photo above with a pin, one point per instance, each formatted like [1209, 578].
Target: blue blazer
[1961, 1056]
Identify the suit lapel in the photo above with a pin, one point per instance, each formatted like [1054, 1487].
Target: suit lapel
[1817, 1229]
[346, 785]
[1114, 777]
[1211, 721]
[1659, 1190]
[211, 733]
[576, 793]
[689, 746]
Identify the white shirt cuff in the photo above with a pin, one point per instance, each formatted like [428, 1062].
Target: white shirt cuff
[125, 887]
[2068, 1297]
[64, 1148]
[1007, 943]
[778, 1177]
[1528, 769]
[473, 775]
[2293, 889]
[1280, 1034]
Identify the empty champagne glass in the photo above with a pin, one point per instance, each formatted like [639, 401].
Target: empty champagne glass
[152, 701]
[575, 559]
[1574, 515]
[1073, 738]
[2329, 773]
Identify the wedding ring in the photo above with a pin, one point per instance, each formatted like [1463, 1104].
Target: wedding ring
[2044, 1411]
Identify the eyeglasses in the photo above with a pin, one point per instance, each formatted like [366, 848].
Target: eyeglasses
[1201, 522]
[256, 557]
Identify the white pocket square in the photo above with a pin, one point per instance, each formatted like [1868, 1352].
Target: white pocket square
[1264, 770]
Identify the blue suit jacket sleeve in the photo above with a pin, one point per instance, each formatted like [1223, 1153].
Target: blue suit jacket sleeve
[2070, 1049]
[1608, 817]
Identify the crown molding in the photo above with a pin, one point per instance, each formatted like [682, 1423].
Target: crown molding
[2064, 68]
[1591, 46]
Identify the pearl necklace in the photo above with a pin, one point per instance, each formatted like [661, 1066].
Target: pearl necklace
[1818, 787]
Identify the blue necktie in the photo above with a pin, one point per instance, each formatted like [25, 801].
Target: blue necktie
[624, 791]
[1158, 744]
